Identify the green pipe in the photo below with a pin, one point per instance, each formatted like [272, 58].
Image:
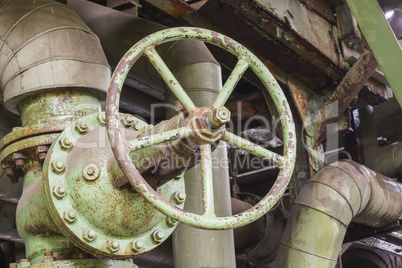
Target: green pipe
[194, 247]
[336, 195]
[381, 40]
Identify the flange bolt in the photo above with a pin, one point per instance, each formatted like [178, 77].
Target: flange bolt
[113, 245]
[158, 236]
[70, 215]
[102, 118]
[59, 191]
[179, 197]
[128, 120]
[58, 166]
[137, 245]
[81, 127]
[65, 143]
[171, 222]
[89, 235]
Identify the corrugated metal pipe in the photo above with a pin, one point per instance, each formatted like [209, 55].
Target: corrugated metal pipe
[44, 45]
[336, 195]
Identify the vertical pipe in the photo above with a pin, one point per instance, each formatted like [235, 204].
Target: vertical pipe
[195, 247]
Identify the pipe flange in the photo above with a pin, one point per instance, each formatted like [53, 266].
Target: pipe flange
[14, 156]
[91, 211]
[20, 133]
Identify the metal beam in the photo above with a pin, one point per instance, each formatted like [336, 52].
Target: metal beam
[381, 40]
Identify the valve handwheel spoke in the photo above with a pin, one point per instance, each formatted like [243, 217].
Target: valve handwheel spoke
[231, 82]
[253, 149]
[169, 78]
[217, 118]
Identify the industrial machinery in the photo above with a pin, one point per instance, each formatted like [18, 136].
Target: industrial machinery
[198, 151]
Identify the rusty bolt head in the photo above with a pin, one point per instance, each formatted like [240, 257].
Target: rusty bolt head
[91, 172]
[66, 143]
[58, 166]
[70, 215]
[59, 191]
[171, 222]
[137, 245]
[81, 127]
[102, 118]
[157, 236]
[179, 197]
[219, 117]
[89, 235]
[128, 120]
[113, 245]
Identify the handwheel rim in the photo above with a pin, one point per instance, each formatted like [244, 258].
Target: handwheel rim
[119, 145]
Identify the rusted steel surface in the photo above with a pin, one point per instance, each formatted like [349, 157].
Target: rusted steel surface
[346, 91]
[321, 9]
[248, 106]
[177, 8]
[119, 145]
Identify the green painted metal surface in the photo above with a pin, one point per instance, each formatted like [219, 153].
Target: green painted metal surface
[119, 147]
[381, 40]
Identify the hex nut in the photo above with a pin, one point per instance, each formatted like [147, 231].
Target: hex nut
[59, 191]
[81, 127]
[113, 245]
[179, 197]
[91, 172]
[66, 143]
[171, 222]
[89, 235]
[58, 166]
[219, 117]
[157, 236]
[128, 120]
[70, 215]
[136, 245]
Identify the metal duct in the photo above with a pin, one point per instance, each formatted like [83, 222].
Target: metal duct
[44, 45]
[328, 202]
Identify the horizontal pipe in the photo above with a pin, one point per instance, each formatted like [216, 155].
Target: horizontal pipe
[336, 195]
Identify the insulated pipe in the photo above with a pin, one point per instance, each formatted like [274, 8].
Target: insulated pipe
[44, 45]
[328, 202]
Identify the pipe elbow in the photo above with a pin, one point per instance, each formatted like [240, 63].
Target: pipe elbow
[321, 213]
[58, 51]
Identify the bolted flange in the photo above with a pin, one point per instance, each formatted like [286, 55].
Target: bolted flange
[157, 236]
[113, 245]
[70, 215]
[136, 245]
[89, 235]
[81, 127]
[59, 191]
[179, 197]
[91, 172]
[58, 166]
